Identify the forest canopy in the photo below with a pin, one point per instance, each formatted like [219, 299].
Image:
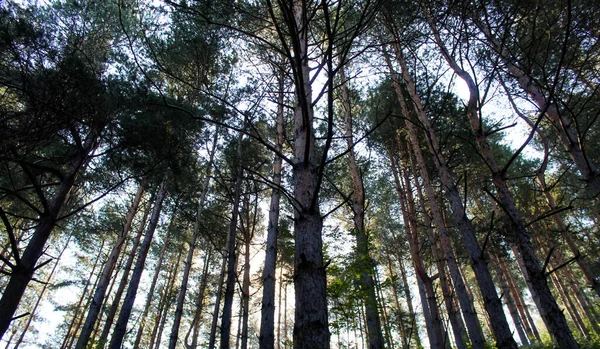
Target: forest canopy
[299, 174]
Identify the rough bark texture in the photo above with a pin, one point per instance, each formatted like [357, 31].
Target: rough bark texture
[127, 307]
[311, 330]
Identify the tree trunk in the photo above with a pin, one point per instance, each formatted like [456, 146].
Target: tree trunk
[413, 330]
[549, 309]
[166, 301]
[107, 271]
[492, 303]
[41, 295]
[25, 265]
[365, 262]
[79, 309]
[437, 337]
[112, 311]
[127, 307]
[151, 294]
[231, 254]
[195, 325]
[267, 322]
[188, 262]
[215, 319]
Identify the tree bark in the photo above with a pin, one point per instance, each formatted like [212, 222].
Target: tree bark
[107, 271]
[25, 266]
[127, 307]
[188, 262]
[195, 325]
[267, 324]
[231, 254]
[366, 263]
[150, 296]
[549, 309]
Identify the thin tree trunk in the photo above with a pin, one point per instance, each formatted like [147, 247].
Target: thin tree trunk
[215, 319]
[110, 316]
[413, 330]
[107, 271]
[26, 264]
[166, 302]
[433, 319]
[279, 310]
[267, 322]
[195, 325]
[78, 314]
[366, 263]
[549, 309]
[400, 321]
[41, 295]
[510, 303]
[231, 254]
[150, 296]
[188, 262]
[124, 314]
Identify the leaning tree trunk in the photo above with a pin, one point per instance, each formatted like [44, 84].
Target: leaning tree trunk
[25, 265]
[435, 332]
[188, 262]
[549, 309]
[150, 296]
[492, 303]
[231, 254]
[194, 330]
[107, 271]
[127, 307]
[365, 262]
[565, 124]
[267, 322]
[41, 295]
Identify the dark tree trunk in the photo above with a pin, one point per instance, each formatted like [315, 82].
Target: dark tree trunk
[26, 264]
[127, 307]
[107, 271]
[231, 254]
[267, 323]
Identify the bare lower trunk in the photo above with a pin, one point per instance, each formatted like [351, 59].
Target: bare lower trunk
[127, 307]
[107, 271]
[151, 294]
[367, 265]
[215, 317]
[231, 255]
[267, 322]
[173, 338]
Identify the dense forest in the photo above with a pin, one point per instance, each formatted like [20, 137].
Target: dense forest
[299, 174]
